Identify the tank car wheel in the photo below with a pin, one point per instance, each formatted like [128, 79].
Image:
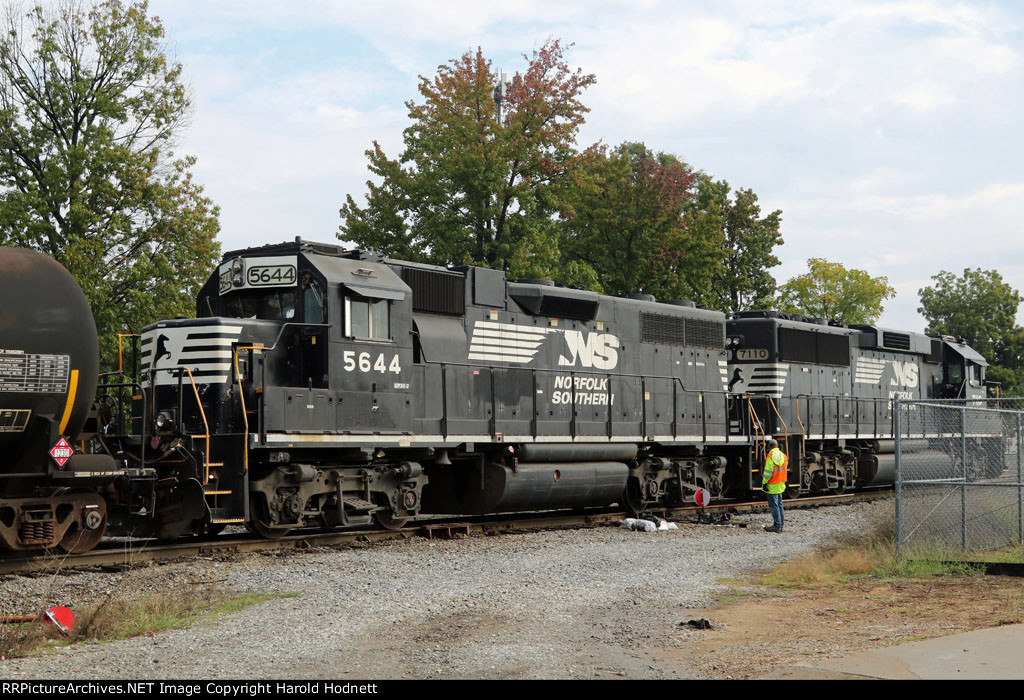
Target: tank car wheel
[838, 490]
[78, 539]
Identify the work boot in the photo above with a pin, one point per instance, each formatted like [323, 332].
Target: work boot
[771, 528]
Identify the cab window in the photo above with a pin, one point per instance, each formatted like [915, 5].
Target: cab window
[367, 318]
[312, 301]
[954, 373]
[974, 373]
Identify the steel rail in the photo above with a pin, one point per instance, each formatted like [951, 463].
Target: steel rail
[125, 554]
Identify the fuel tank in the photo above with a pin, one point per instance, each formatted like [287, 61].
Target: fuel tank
[48, 356]
[497, 488]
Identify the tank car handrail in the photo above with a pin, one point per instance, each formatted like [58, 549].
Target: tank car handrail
[120, 355]
[142, 394]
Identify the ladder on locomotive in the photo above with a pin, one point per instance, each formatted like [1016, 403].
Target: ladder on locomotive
[227, 505]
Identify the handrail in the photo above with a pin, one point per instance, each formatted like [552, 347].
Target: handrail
[241, 397]
[206, 426]
[803, 429]
[573, 419]
[785, 428]
[857, 400]
[120, 356]
[757, 426]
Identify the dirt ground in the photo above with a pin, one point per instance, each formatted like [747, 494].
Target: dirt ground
[757, 632]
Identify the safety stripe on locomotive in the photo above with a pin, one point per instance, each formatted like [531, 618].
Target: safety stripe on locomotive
[205, 350]
[767, 379]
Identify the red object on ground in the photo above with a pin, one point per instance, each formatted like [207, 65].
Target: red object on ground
[62, 618]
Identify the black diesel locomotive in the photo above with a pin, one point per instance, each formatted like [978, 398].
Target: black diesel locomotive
[324, 387]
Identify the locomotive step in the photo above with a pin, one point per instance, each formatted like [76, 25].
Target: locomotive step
[359, 505]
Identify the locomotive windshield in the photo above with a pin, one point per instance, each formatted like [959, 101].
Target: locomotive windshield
[266, 304]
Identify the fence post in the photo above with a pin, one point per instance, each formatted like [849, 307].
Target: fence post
[899, 476]
[963, 483]
[1020, 490]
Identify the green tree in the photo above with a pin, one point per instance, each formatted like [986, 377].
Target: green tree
[469, 188]
[626, 223]
[828, 290]
[89, 108]
[743, 279]
[982, 309]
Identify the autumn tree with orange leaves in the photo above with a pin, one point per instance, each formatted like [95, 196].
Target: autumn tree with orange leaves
[470, 189]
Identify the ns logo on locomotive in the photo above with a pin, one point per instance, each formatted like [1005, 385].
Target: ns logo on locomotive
[319, 387]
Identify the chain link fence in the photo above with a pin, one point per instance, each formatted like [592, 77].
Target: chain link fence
[959, 481]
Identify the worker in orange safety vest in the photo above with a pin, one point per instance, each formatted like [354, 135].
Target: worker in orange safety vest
[773, 482]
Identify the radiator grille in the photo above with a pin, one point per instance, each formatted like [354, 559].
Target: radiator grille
[897, 341]
[709, 335]
[436, 292]
[660, 328]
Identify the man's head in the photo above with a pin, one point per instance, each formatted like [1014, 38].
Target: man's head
[772, 443]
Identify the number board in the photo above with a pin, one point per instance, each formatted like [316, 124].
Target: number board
[279, 271]
[752, 354]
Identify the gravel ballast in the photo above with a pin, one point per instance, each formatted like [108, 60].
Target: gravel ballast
[585, 603]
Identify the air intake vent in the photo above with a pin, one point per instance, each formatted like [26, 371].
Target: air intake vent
[896, 341]
[661, 328]
[436, 292]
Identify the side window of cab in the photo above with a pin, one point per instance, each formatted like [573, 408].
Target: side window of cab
[367, 319]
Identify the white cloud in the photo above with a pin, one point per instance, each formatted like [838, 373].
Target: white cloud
[887, 132]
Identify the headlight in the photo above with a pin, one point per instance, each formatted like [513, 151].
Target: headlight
[238, 272]
[164, 420]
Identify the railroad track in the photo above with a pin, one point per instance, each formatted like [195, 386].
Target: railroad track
[128, 553]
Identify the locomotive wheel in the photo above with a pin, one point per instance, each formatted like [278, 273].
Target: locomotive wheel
[632, 498]
[258, 523]
[387, 520]
[386, 517]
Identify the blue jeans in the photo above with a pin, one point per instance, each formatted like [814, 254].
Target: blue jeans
[775, 504]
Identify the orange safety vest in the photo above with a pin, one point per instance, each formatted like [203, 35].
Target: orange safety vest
[780, 472]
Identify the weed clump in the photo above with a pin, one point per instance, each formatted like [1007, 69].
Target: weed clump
[122, 617]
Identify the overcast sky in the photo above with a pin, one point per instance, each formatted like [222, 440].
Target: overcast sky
[888, 133]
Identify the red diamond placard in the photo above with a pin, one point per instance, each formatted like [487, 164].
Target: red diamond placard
[61, 452]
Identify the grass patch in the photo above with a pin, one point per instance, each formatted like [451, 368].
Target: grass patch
[119, 617]
[871, 554]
